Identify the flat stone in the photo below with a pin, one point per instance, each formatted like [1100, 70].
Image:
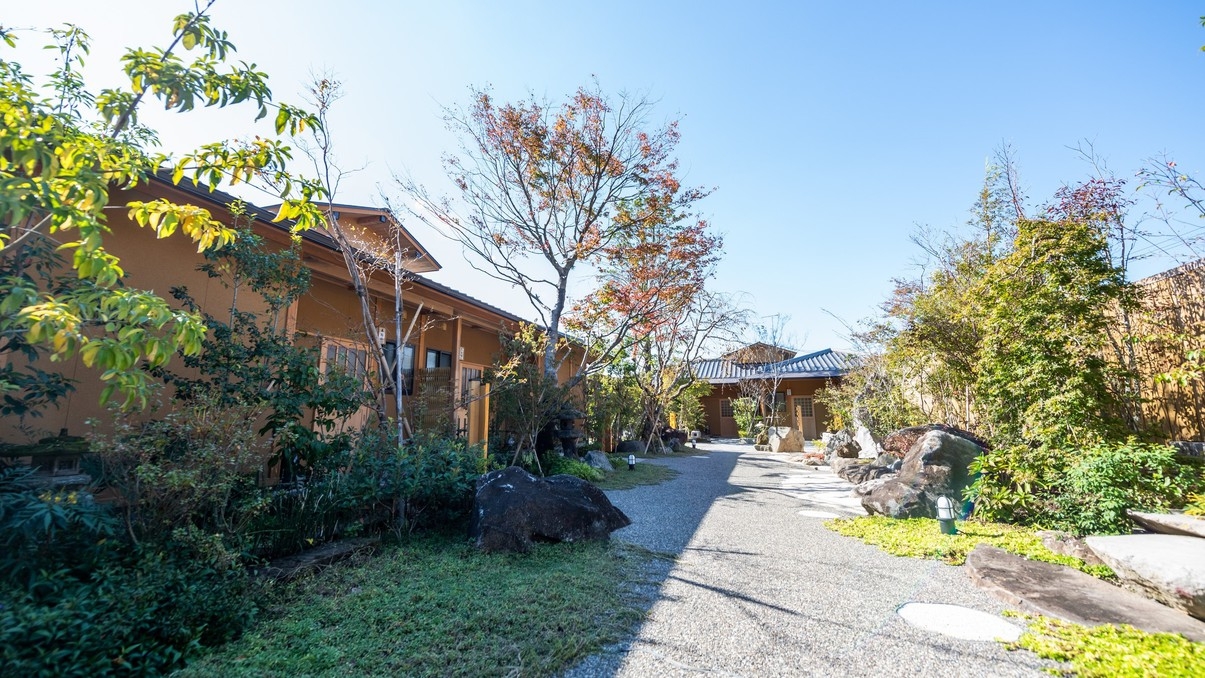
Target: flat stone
[1170, 523]
[959, 622]
[1059, 591]
[1168, 568]
[290, 567]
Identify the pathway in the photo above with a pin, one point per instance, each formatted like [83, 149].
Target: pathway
[760, 587]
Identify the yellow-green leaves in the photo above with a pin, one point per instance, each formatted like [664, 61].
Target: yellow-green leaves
[165, 218]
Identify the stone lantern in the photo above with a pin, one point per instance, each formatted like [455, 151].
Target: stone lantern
[566, 431]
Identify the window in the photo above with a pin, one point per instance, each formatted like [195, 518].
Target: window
[805, 406]
[407, 365]
[350, 357]
[468, 376]
[726, 408]
[438, 359]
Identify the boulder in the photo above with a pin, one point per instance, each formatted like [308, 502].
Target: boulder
[869, 447]
[513, 508]
[1067, 544]
[629, 447]
[899, 442]
[838, 464]
[786, 439]
[865, 488]
[934, 466]
[862, 472]
[1170, 523]
[599, 461]
[1059, 591]
[1168, 568]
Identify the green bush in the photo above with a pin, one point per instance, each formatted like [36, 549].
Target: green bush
[1113, 478]
[78, 598]
[576, 468]
[141, 615]
[1082, 491]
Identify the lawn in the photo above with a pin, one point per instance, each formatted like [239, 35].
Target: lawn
[434, 606]
[644, 474]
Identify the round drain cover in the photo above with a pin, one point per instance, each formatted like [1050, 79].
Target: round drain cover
[958, 622]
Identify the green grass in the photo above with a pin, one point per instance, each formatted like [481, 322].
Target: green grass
[437, 607]
[921, 538]
[1112, 651]
[645, 474]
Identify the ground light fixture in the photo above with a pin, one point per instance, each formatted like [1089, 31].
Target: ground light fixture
[631, 462]
[945, 515]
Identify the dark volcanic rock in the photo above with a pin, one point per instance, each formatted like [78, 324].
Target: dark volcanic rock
[935, 465]
[860, 473]
[629, 447]
[899, 442]
[513, 508]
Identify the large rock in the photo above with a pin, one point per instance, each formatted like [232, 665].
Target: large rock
[513, 508]
[899, 442]
[599, 461]
[629, 447]
[860, 473]
[785, 439]
[1059, 591]
[869, 447]
[1170, 523]
[1067, 544]
[841, 445]
[1168, 568]
[838, 464]
[934, 466]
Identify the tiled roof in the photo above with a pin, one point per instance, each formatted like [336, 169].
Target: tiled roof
[825, 363]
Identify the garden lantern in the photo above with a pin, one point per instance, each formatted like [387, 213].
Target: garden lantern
[945, 515]
[631, 462]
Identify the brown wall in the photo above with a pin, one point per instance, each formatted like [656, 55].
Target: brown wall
[330, 309]
[1172, 322]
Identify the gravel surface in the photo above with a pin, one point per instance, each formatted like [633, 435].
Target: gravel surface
[758, 589]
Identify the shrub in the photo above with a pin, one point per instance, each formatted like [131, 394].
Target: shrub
[1086, 492]
[78, 600]
[141, 615]
[1113, 478]
[576, 468]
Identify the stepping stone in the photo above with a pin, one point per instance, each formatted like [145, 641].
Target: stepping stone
[1059, 591]
[291, 567]
[959, 622]
[1171, 523]
[1168, 568]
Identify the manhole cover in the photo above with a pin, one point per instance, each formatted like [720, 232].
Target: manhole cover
[958, 622]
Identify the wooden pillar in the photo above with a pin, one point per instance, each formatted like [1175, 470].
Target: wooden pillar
[457, 350]
[291, 319]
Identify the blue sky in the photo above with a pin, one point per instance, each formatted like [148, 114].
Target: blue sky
[831, 130]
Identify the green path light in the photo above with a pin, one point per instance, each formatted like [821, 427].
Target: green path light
[945, 515]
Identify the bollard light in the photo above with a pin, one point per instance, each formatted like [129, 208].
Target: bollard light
[945, 515]
[631, 462]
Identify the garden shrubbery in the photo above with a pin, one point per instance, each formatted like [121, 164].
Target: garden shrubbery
[1085, 491]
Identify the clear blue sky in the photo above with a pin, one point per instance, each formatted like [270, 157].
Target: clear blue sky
[830, 129]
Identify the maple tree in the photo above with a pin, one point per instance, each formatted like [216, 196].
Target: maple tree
[549, 195]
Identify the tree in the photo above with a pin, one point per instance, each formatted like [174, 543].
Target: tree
[63, 153]
[1042, 370]
[548, 193]
[765, 358]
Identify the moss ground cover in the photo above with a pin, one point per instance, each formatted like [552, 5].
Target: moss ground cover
[645, 474]
[921, 538]
[437, 607]
[1112, 651]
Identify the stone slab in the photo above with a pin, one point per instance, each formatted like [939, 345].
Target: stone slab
[1068, 594]
[1171, 523]
[1168, 568]
[290, 567]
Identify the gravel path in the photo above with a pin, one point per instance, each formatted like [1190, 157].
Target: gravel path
[760, 587]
